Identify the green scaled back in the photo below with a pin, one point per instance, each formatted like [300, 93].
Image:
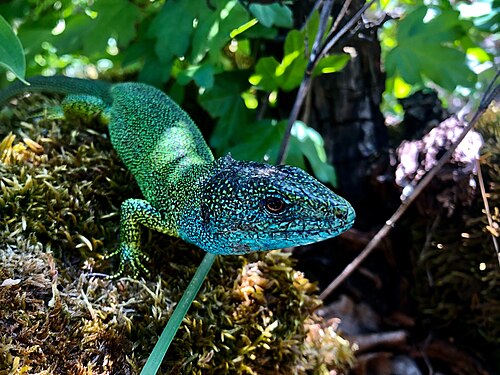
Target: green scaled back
[154, 137]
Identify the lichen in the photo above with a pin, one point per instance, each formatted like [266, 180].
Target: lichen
[62, 185]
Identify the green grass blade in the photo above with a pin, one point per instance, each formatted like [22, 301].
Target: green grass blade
[156, 357]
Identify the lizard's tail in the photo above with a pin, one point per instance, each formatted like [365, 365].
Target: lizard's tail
[58, 85]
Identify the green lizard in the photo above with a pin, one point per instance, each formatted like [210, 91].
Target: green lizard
[223, 206]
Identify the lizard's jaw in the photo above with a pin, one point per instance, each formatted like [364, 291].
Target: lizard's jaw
[288, 233]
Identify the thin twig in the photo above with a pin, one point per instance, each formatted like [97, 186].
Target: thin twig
[323, 22]
[341, 15]
[313, 61]
[306, 81]
[372, 341]
[306, 113]
[488, 96]
[487, 207]
[342, 31]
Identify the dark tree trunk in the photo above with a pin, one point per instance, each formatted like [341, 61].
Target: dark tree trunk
[344, 108]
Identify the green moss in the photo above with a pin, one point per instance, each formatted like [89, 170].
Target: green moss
[62, 186]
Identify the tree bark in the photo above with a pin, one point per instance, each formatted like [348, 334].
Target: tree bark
[345, 109]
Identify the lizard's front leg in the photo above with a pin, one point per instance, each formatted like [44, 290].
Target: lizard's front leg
[134, 213]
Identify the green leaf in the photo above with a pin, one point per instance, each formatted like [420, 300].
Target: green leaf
[401, 89]
[259, 31]
[228, 86]
[214, 29]
[177, 92]
[446, 27]
[115, 18]
[272, 14]
[295, 66]
[242, 28]
[11, 10]
[260, 141]
[405, 61]
[228, 129]
[11, 51]
[224, 102]
[424, 50]
[312, 27]
[176, 18]
[197, 29]
[411, 23]
[203, 75]
[137, 51]
[33, 34]
[311, 145]
[287, 75]
[479, 54]
[71, 39]
[154, 71]
[265, 74]
[447, 67]
[331, 64]
[294, 42]
[444, 65]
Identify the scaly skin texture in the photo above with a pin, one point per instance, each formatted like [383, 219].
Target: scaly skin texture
[224, 206]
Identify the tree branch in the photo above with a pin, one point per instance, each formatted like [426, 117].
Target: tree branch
[313, 61]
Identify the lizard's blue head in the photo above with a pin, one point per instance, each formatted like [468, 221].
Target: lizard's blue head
[247, 206]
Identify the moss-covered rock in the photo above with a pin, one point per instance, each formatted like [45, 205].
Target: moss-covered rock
[62, 186]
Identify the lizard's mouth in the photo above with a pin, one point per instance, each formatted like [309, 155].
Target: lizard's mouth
[335, 228]
[320, 226]
[241, 237]
[307, 231]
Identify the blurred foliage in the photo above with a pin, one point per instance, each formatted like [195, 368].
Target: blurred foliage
[209, 51]
[213, 56]
[448, 46]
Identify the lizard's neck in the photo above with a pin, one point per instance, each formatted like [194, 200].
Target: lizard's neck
[191, 220]
[178, 196]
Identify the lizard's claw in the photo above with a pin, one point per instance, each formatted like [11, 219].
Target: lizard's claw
[130, 257]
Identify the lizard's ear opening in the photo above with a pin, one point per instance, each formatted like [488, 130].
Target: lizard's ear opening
[205, 214]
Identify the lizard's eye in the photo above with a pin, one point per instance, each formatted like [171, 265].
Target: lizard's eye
[274, 205]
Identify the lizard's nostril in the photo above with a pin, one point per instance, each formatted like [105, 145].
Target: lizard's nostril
[339, 214]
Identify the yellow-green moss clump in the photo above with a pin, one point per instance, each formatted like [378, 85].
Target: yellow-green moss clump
[61, 189]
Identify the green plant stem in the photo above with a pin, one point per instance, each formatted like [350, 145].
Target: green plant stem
[156, 357]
